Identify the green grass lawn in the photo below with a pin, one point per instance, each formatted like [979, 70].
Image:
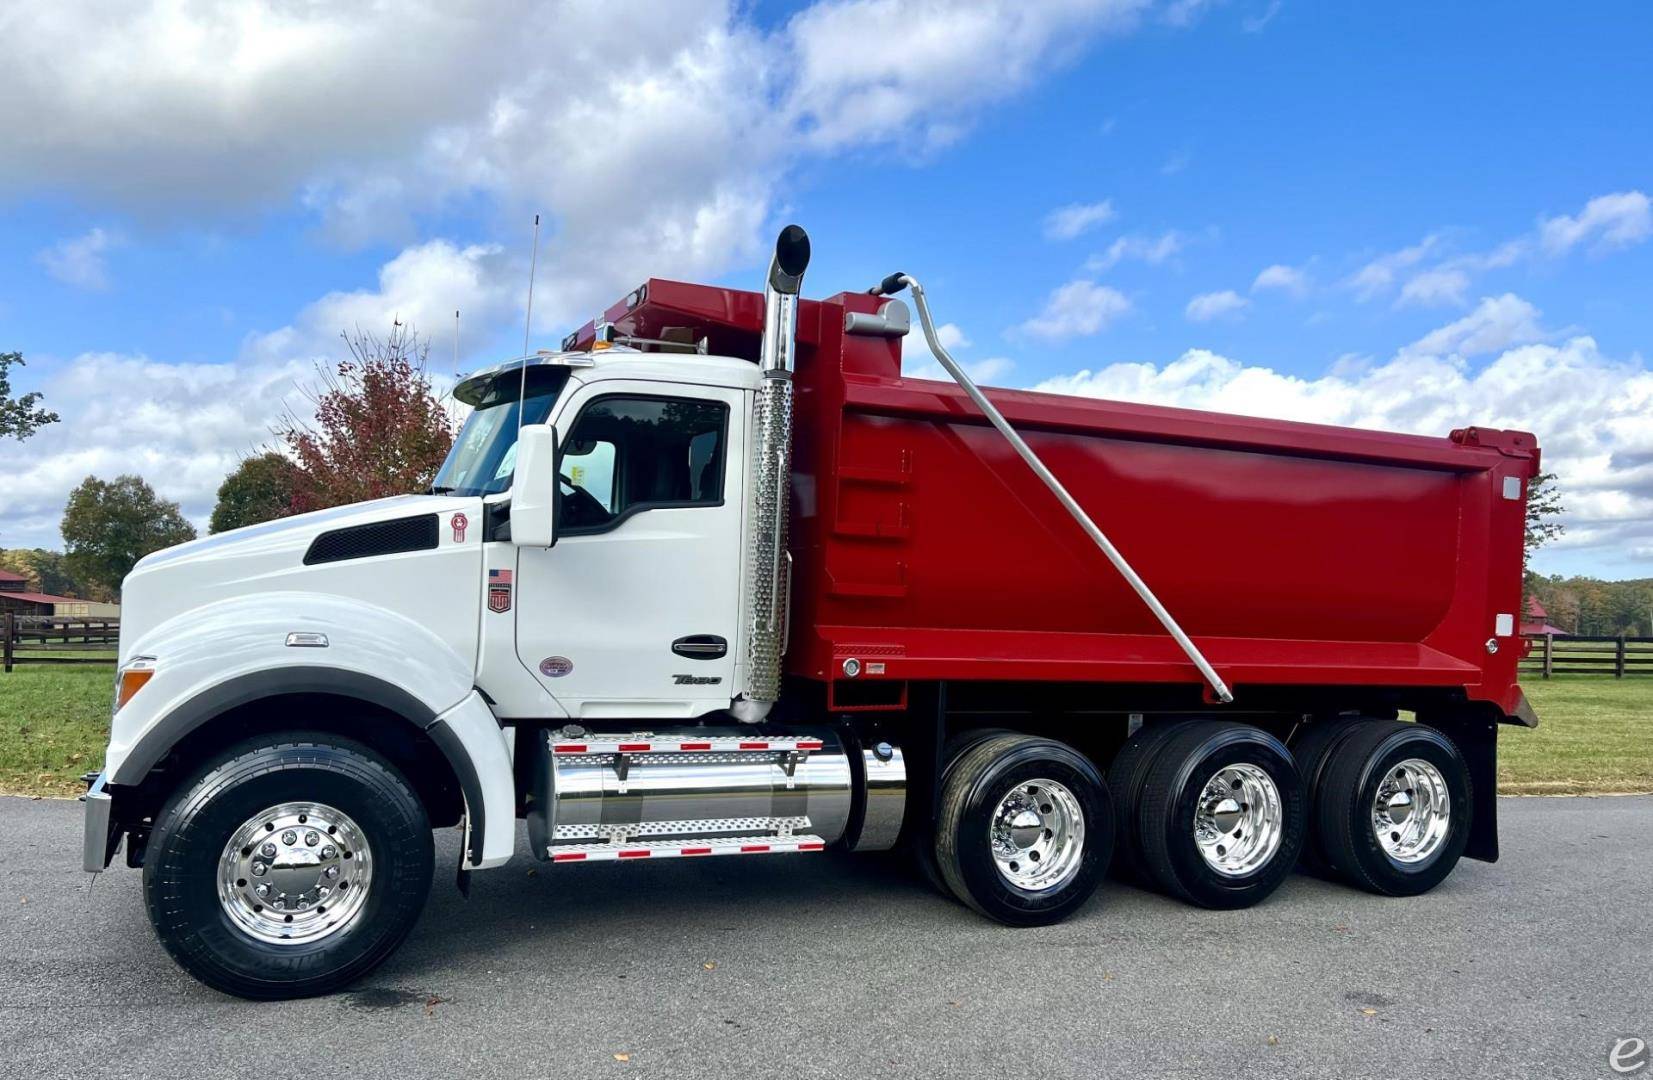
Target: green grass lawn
[54, 722]
[1596, 733]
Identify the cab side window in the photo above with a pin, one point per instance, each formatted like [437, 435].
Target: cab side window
[628, 454]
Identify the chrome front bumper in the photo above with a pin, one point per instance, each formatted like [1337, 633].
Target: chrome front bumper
[98, 847]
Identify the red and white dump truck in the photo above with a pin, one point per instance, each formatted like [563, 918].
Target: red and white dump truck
[715, 578]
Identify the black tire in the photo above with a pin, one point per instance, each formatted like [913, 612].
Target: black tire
[1343, 807]
[1126, 775]
[921, 841]
[192, 829]
[1312, 747]
[1171, 799]
[972, 789]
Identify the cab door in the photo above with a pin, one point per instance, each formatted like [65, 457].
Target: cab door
[634, 612]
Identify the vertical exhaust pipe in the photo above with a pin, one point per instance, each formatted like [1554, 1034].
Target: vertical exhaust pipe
[768, 566]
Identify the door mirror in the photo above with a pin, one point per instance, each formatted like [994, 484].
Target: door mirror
[534, 487]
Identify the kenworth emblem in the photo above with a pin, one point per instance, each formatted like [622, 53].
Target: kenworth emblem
[460, 523]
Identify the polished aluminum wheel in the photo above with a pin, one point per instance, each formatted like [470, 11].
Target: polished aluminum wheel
[1038, 835]
[1239, 820]
[296, 873]
[1412, 812]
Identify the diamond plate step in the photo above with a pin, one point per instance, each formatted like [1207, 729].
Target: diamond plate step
[779, 828]
[647, 743]
[676, 849]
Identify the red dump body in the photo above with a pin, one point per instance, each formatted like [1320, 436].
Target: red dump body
[1293, 554]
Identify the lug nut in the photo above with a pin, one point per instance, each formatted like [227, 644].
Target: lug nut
[289, 838]
[332, 871]
[329, 852]
[268, 851]
[263, 890]
[311, 839]
[258, 869]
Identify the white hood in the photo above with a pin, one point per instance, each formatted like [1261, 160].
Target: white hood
[443, 582]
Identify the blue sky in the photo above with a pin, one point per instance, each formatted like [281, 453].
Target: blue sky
[1453, 202]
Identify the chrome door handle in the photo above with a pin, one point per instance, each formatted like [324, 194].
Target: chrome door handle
[701, 647]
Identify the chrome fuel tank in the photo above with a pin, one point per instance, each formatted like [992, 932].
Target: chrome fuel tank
[661, 786]
[658, 788]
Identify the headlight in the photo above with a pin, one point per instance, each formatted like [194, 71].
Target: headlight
[131, 678]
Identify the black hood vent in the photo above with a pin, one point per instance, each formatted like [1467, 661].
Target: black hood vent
[418, 533]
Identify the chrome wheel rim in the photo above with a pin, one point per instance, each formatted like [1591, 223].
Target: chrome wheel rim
[1412, 811]
[296, 873]
[1239, 820]
[1038, 835]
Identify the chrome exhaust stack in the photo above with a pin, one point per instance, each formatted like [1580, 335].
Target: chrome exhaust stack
[768, 566]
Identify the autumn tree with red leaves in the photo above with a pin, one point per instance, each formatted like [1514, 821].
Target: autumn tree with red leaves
[379, 429]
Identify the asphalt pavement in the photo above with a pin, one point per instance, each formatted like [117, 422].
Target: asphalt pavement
[842, 966]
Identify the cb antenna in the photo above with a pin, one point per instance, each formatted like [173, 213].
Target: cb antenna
[527, 323]
[455, 344]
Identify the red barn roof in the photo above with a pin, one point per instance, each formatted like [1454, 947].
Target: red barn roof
[7, 575]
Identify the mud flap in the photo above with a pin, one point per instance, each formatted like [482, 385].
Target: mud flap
[463, 876]
[1476, 738]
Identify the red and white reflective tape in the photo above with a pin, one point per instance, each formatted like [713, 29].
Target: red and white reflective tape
[749, 845]
[641, 745]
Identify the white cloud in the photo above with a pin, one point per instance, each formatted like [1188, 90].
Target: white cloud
[1253, 24]
[1496, 323]
[181, 426]
[421, 287]
[79, 260]
[1067, 222]
[1611, 221]
[1433, 277]
[1187, 12]
[1597, 435]
[888, 70]
[1078, 309]
[653, 145]
[1441, 287]
[1152, 250]
[1287, 279]
[1378, 276]
[918, 363]
[1212, 305]
[951, 337]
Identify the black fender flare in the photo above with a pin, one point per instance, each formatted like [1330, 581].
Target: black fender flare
[213, 702]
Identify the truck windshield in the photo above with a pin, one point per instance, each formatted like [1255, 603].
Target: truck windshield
[485, 453]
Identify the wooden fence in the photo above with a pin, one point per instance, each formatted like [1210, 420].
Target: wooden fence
[1616, 656]
[54, 639]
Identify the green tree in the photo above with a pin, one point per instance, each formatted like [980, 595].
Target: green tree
[109, 525]
[379, 429]
[44, 569]
[260, 489]
[19, 418]
[1544, 511]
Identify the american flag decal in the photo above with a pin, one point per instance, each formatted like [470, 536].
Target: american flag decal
[499, 591]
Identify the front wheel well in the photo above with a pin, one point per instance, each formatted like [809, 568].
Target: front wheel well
[402, 742]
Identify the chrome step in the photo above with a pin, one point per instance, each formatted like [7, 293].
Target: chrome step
[779, 828]
[644, 742]
[680, 848]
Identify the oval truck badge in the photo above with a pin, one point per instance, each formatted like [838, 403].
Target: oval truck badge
[459, 522]
[555, 667]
